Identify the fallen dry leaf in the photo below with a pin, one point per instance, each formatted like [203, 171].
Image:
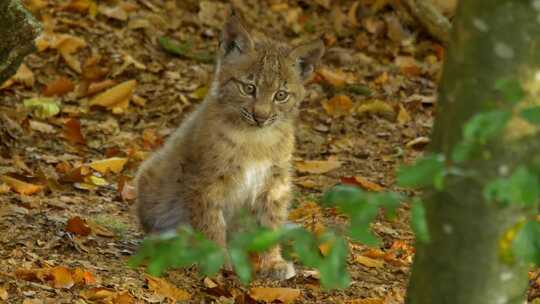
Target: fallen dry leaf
[403, 116]
[113, 164]
[58, 87]
[20, 186]
[366, 301]
[23, 75]
[305, 210]
[72, 132]
[418, 142]
[41, 127]
[376, 107]
[369, 262]
[78, 226]
[4, 188]
[3, 293]
[166, 289]
[339, 105]
[103, 295]
[96, 87]
[362, 182]
[116, 98]
[124, 298]
[62, 277]
[81, 276]
[317, 166]
[270, 295]
[335, 78]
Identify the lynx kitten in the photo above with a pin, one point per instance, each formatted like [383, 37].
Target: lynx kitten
[235, 150]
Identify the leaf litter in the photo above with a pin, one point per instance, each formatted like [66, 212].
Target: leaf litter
[111, 81]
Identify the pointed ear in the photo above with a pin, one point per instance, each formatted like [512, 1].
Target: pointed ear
[235, 39]
[307, 56]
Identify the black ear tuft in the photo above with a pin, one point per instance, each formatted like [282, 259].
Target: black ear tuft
[235, 39]
[307, 56]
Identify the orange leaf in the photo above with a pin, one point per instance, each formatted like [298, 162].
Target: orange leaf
[72, 132]
[369, 262]
[59, 87]
[115, 96]
[124, 298]
[20, 186]
[96, 87]
[78, 226]
[81, 276]
[62, 277]
[166, 289]
[334, 78]
[270, 295]
[317, 166]
[339, 105]
[362, 182]
[98, 294]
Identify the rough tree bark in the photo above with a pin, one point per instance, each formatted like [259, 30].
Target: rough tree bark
[491, 40]
[18, 30]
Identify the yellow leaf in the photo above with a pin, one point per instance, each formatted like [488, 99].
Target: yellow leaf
[403, 116]
[3, 293]
[95, 180]
[339, 105]
[317, 166]
[117, 96]
[376, 107]
[20, 186]
[369, 262]
[270, 295]
[114, 164]
[24, 75]
[166, 289]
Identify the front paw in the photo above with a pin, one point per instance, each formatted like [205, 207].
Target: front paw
[278, 270]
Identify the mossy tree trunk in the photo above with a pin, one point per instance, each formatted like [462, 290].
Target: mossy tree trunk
[491, 40]
[18, 30]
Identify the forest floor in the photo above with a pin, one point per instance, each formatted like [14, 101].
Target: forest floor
[67, 157]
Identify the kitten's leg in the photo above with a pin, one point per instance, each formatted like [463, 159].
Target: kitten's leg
[272, 213]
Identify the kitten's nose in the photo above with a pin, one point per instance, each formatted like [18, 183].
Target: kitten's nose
[260, 119]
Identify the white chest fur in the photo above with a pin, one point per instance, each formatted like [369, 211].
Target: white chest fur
[250, 183]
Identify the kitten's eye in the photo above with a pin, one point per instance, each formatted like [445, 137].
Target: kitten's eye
[248, 89]
[281, 96]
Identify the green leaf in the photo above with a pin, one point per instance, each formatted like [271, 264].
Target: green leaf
[242, 267]
[462, 151]
[43, 107]
[359, 89]
[485, 126]
[184, 49]
[333, 268]
[265, 239]
[306, 247]
[418, 221]
[511, 88]
[522, 187]
[427, 171]
[532, 115]
[526, 245]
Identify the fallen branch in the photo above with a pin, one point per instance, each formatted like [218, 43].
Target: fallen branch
[18, 30]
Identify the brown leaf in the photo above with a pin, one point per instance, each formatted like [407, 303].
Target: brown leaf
[408, 65]
[362, 182]
[59, 87]
[23, 75]
[124, 298]
[369, 262]
[116, 97]
[403, 116]
[166, 289]
[127, 191]
[317, 166]
[113, 164]
[4, 188]
[269, 294]
[72, 132]
[78, 226]
[96, 87]
[61, 277]
[339, 105]
[335, 78]
[103, 295]
[41, 127]
[366, 301]
[100, 230]
[20, 186]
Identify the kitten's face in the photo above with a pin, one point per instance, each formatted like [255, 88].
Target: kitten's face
[260, 83]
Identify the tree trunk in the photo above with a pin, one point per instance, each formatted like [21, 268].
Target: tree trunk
[491, 40]
[18, 30]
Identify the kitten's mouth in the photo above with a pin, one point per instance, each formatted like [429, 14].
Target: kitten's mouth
[257, 121]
